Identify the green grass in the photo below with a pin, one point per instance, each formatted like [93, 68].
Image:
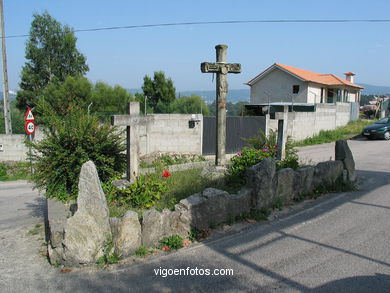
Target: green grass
[181, 184]
[11, 171]
[142, 251]
[342, 132]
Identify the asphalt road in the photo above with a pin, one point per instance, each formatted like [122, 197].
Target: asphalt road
[338, 243]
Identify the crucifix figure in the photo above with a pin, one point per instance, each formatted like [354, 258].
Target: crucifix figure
[221, 68]
[131, 121]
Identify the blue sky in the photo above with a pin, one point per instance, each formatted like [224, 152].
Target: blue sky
[124, 56]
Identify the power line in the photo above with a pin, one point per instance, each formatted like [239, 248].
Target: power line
[221, 22]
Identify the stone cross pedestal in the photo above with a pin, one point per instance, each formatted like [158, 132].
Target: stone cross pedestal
[131, 121]
[221, 68]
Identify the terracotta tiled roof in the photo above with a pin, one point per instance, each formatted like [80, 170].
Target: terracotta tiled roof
[306, 75]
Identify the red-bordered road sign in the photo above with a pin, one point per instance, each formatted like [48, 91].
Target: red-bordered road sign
[29, 127]
[29, 115]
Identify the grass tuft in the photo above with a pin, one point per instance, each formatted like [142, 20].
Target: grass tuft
[342, 132]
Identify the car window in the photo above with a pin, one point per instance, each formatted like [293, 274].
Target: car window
[383, 121]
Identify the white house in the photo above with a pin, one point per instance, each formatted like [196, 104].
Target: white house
[282, 83]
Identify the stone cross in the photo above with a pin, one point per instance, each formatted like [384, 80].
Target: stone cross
[221, 68]
[131, 121]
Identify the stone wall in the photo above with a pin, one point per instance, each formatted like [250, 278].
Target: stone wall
[79, 237]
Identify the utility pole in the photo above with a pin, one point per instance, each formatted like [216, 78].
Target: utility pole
[7, 113]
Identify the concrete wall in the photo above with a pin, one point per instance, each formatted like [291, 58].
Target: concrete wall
[306, 124]
[13, 147]
[278, 86]
[160, 133]
[171, 133]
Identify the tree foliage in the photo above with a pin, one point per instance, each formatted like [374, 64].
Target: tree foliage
[233, 109]
[100, 99]
[51, 55]
[190, 105]
[159, 91]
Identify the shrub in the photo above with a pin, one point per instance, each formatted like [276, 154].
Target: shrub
[260, 140]
[144, 192]
[3, 172]
[71, 141]
[247, 158]
[172, 242]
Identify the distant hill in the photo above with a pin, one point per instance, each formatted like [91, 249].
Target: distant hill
[10, 96]
[375, 89]
[234, 95]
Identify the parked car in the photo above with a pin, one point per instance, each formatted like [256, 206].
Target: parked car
[380, 129]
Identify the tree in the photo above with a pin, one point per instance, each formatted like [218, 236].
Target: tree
[100, 99]
[160, 92]
[107, 100]
[190, 105]
[51, 55]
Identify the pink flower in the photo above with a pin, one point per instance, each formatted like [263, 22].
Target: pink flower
[239, 154]
[165, 248]
[264, 149]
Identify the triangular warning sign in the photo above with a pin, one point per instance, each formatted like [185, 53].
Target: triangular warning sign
[29, 115]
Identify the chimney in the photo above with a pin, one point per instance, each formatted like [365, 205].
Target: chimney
[349, 76]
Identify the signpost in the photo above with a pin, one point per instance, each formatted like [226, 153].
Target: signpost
[29, 127]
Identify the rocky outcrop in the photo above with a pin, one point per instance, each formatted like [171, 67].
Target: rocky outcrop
[88, 231]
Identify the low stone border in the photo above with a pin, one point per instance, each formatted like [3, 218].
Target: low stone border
[82, 237]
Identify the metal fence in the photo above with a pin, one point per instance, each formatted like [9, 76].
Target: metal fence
[237, 128]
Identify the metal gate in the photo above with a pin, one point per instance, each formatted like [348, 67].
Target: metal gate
[237, 128]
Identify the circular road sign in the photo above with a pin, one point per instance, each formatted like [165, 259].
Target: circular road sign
[29, 127]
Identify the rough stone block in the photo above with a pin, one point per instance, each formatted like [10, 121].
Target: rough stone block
[88, 231]
[343, 153]
[157, 225]
[303, 181]
[326, 173]
[208, 207]
[284, 184]
[260, 179]
[239, 203]
[128, 238]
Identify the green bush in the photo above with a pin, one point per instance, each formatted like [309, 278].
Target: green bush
[173, 242]
[144, 192]
[3, 172]
[260, 140]
[71, 141]
[247, 158]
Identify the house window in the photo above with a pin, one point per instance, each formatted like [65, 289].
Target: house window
[295, 89]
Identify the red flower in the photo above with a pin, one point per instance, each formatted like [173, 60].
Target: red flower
[166, 174]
